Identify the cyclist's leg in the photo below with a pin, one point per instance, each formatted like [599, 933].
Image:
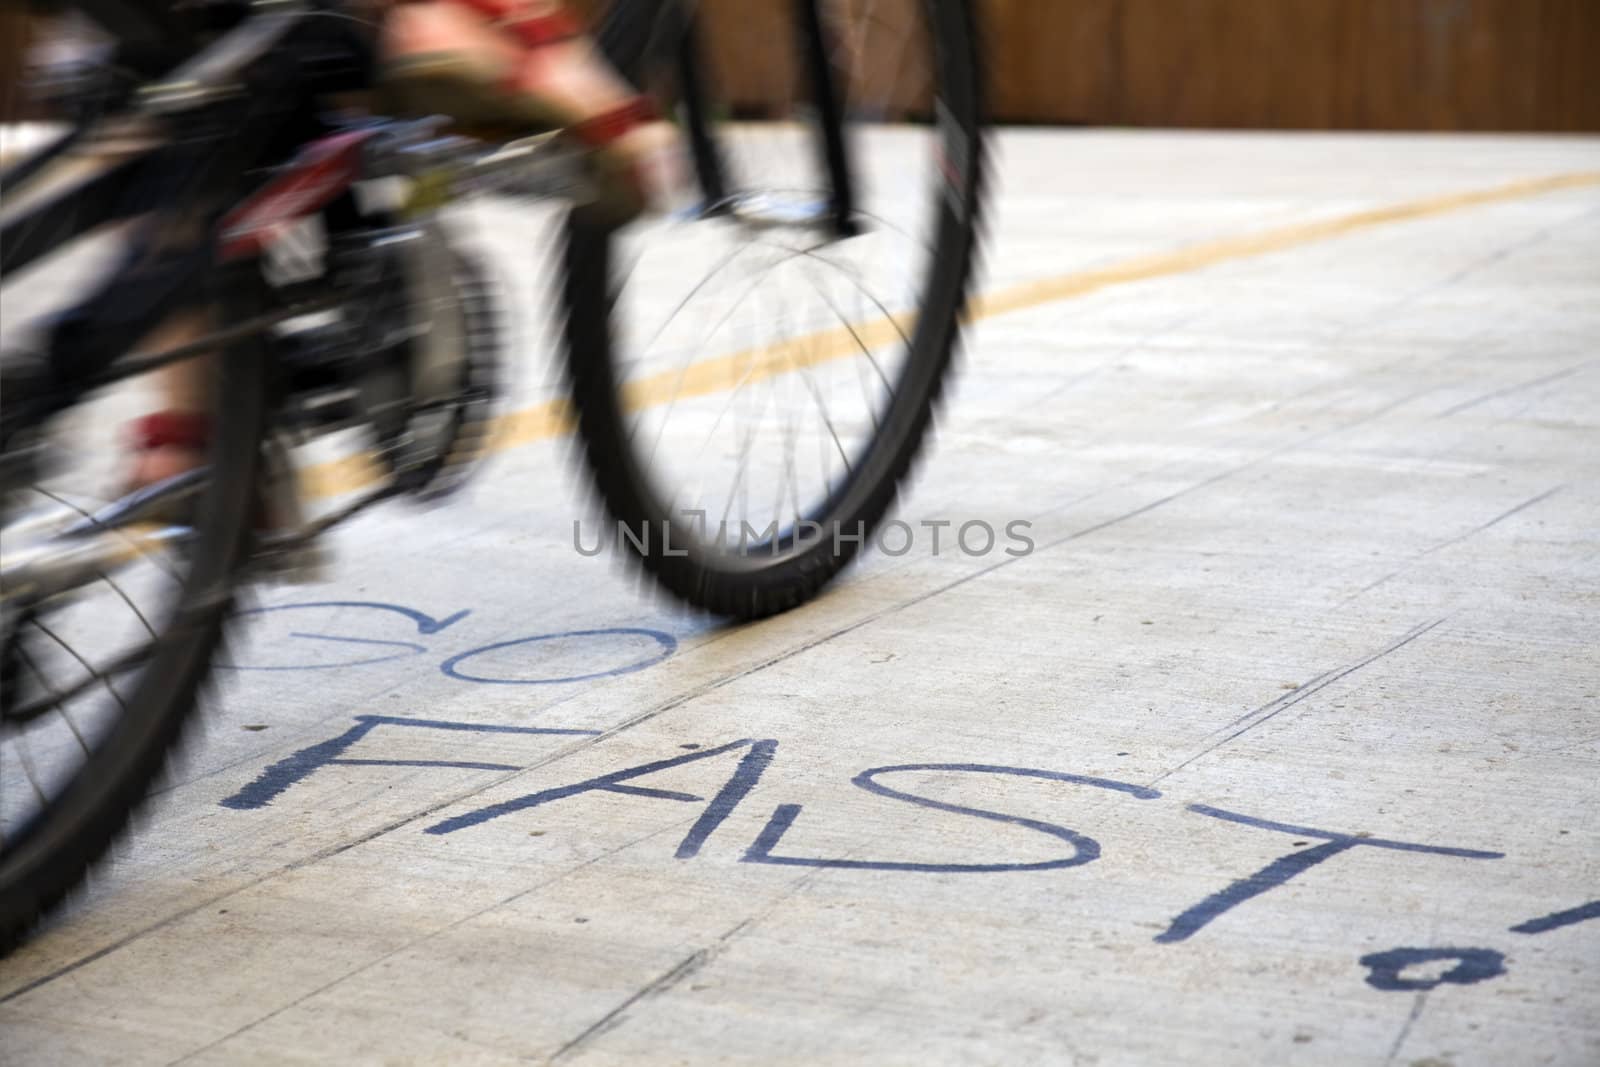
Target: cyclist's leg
[173, 440]
[523, 63]
[89, 335]
[561, 78]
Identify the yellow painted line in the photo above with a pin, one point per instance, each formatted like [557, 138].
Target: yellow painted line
[553, 418]
[1210, 253]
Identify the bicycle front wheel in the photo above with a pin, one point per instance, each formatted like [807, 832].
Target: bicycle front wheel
[111, 622]
[755, 371]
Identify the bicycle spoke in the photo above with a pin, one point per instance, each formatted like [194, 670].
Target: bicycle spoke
[122, 665]
[855, 334]
[55, 699]
[767, 347]
[90, 517]
[30, 771]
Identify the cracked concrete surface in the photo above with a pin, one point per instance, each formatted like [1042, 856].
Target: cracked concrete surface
[1281, 746]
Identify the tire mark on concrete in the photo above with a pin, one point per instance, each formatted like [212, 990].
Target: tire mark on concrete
[1442, 545]
[1405, 1030]
[685, 968]
[414, 942]
[1517, 388]
[1497, 520]
[1262, 715]
[231, 892]
[617, 1016]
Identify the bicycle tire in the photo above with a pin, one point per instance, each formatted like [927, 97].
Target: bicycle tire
[756, 584]
[55, 849]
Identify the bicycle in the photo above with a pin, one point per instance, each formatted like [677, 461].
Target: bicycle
[679, 359]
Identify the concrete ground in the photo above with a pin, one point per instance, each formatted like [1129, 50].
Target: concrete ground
[1281, 746]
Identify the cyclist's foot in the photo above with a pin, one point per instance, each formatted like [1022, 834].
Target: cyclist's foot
[165, 445]
[521, 66]
[170, 443]
[174, 439]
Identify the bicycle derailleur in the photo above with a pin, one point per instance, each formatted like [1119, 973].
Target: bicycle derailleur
[409, 349]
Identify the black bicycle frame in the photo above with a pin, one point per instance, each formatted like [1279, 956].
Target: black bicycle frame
[709, 165]
[264, 75]
[261, 77]
[212, 131]
[823, 78]
[640, 37]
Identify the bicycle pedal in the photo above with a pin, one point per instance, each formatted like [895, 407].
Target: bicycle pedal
[538, 167]
[307, 563]
[285, 555]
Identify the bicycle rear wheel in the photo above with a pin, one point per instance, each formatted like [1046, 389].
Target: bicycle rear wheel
[101, 668]
[755, 373]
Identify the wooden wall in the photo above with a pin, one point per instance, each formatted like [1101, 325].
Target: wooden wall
[1320, 64]
[13, 39]
[1339, 64]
